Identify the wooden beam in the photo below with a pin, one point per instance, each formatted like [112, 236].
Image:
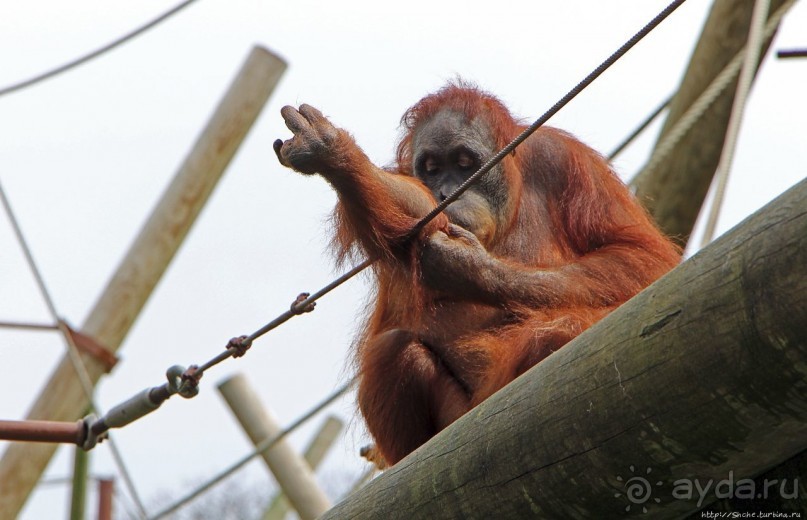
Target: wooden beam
[63, 398]
[701, 376]
[291, 471]
[315, 452]
[674, 190]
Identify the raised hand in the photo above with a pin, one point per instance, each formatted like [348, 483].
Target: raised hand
[317, 145]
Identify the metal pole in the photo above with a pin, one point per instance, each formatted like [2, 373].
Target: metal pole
[42, 431]
[62, 397]
[106, 491]
[792, 53]
[78, 496]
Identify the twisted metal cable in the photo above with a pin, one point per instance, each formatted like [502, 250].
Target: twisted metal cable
[639, 129]
[94, 54]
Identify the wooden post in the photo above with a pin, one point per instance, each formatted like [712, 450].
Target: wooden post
[63, 398]
[279, 505]
[701, 377]
[675, 189]
[290, 470]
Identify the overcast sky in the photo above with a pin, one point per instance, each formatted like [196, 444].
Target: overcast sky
[84, 157]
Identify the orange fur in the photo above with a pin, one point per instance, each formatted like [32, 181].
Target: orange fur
[426, 358]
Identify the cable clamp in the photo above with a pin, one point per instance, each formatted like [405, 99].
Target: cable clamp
[299, 305]
[239, 345]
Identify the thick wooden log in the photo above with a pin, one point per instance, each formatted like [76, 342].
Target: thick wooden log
[701, 376]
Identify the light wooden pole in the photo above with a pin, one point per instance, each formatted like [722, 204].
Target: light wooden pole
[63, 398]
[292, 473]
[279, 505]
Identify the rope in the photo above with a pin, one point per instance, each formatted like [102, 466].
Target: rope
[94, 54]
[756, 39]
[696, 110]
[72, 351]
[265, 445]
